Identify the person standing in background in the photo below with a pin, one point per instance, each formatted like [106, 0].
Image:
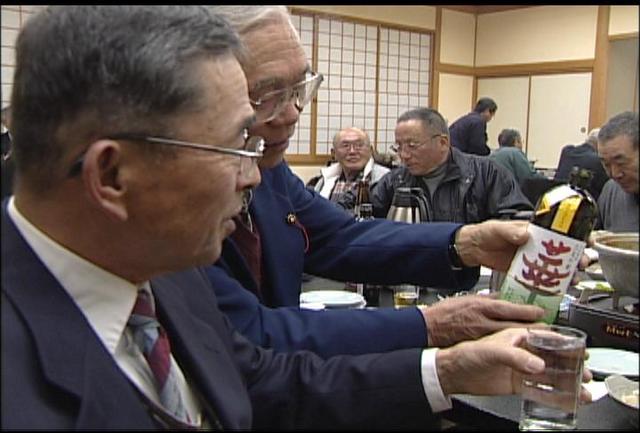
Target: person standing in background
[618, 149]
[469, 133]
[510, 156]
[583, 156]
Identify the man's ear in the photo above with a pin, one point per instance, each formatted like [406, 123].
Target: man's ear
[101, 175]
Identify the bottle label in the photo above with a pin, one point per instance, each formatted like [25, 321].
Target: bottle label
[564, 216]
[554, 196]
[541, 270]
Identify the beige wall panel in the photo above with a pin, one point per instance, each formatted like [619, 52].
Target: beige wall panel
[537, 34]
[306, 172]
[559, 115]
[458, 38]
[455, 97]
[622, 76]
[512, 96]
[623, 19]
[423, 17]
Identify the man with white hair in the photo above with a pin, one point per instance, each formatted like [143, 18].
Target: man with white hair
[583, 156]
[354, 162]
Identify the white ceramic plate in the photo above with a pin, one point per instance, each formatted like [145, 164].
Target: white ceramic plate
[333, 298]
[606, 362]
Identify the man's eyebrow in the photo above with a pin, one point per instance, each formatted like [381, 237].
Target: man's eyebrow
[273, 83]
[268, 83]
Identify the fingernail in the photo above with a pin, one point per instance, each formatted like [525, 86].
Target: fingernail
[534, 365]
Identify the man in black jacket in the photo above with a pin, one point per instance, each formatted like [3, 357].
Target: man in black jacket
[469, 133]
[458, 187]
[583, 156]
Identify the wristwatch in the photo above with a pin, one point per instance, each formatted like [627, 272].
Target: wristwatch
[454, 257]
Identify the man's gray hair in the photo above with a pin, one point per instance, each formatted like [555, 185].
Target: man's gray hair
[592, 138]
[429, 117]
[338, 134]
[246, 18]
[625, 123]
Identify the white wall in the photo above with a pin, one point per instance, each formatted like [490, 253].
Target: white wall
[536, 34]
[622, 76]
[458, 35]
[623, 20]
[512, 96]
[455, 96]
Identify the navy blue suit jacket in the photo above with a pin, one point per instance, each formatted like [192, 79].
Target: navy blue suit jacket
[56, 374]
[338, 248]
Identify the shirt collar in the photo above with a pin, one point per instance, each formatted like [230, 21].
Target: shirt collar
[105, 299]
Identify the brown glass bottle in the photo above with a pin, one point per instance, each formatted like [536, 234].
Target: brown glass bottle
[362, 197]
[370, 292]
[573, 216]
[542, 268]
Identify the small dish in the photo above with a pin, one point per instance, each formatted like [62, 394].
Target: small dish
[333, 298]
[594, 271]
[623, 390]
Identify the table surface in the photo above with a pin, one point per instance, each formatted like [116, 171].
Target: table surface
[502, 412]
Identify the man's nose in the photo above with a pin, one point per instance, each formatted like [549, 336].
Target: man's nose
[251, 178]
[289, 114]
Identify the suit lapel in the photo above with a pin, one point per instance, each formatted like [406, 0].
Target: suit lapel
[71, 356]
[281, 241]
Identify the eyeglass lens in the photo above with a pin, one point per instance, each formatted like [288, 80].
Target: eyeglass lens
[301, 94]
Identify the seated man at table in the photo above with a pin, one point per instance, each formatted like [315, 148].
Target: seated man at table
[618, 149]
[458, 187]
[510, 156]
[354, 162]
[294, 230]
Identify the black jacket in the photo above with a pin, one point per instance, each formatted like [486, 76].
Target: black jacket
[473, 189]
[584, 156]
[469, 134]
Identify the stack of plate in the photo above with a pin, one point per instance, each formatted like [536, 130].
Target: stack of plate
[333, 299]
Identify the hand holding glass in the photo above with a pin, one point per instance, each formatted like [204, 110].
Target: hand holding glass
[550, 399]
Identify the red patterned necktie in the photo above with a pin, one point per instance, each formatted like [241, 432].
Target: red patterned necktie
[154, 344]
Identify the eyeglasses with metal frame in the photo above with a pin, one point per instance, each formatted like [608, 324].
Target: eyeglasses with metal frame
[249, 154]
[271, 104]
[412, 145]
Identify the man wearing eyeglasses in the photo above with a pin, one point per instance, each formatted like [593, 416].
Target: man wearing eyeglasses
[458, 187]
[294, 230]
[354, 162]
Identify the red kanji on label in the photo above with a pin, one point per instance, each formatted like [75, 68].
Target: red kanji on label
[540, 273]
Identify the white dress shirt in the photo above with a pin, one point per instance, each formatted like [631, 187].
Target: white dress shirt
[106, 301]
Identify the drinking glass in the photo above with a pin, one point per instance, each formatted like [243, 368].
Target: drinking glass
[550, 399]
[406, 295]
